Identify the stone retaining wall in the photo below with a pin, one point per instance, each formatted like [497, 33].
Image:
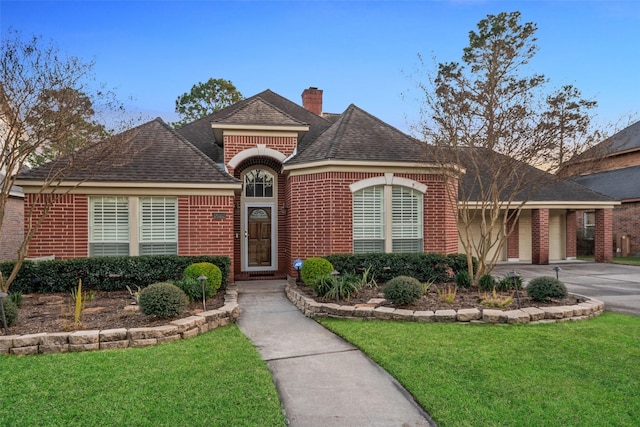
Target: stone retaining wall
[61, 342]
[584, 310]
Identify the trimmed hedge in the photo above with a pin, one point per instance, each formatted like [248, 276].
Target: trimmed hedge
[384, 266]
[105, 273]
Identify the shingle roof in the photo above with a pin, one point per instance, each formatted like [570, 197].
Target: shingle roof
[200, 133]
[152, 152]
[540, 186]
[358, 136]
[628, 139]
[621, 184]
[256, 111]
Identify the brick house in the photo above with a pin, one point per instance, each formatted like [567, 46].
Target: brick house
[615, 172]
[12, 227]
[266, 181]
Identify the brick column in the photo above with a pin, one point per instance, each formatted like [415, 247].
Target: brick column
[571, 236]
[513, 241]
[540, 236]
[604, 235]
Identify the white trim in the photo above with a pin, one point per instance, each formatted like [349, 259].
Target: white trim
[388, 180]
[111, 187]
[360, 165]
[246, 127]
[513, 259]
[259, 150]
[547, 205]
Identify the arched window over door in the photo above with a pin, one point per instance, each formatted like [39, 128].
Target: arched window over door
[258, 183]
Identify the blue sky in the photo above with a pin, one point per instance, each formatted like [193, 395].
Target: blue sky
[360, 52]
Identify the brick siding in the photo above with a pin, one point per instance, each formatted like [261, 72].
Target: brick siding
[540, 236]
[64, 232]
[604, 235]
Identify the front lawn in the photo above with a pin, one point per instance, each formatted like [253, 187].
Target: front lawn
[631, 260]
[565, 374]
[215, 379]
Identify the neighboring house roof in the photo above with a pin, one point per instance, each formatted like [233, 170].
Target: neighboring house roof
[358, 136]
[155, 153]
[627, 140]
[621, 184]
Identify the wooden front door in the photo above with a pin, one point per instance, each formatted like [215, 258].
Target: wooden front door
[259, 237]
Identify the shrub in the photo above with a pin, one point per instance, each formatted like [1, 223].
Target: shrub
[10, 311]
[16, 297]
[386, 266]
[506, 283]
[403, 290]
[163, 300]
[462, 279]
[546, 288]
[336, 287]
[210, 271]
[193, 288]
[315, 268]
[486, 282]
[105, 273]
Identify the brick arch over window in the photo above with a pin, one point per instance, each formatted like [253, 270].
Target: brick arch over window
[260, 151]
[388, 215]
[257, 161]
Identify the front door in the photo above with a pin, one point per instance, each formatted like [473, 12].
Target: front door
[259, 238]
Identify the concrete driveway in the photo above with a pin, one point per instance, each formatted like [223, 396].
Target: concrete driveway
[618, 286]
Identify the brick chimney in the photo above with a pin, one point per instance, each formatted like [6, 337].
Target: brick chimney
[312, 100]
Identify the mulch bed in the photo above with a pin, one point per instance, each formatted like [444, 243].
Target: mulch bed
[107, 310]
[465, 298]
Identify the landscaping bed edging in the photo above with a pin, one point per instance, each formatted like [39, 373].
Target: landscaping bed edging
[175, 330]
[311, 308]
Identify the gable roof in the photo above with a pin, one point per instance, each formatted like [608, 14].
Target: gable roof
[358, 136]
[627, 140]
[154, 153]
[621, 184]
[256, 111]
[272, 105]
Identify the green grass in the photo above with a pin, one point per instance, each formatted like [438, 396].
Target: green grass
[566, 374]
[216, 379]
[616, 260]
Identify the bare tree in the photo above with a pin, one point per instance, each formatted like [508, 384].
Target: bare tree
[495, 123]
[49, 109]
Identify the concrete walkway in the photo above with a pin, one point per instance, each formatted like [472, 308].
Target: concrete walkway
[618, 286]
[322, 380]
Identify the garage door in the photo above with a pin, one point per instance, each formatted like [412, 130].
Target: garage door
[525, 235]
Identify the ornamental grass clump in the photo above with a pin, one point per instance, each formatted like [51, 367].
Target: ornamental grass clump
[315, 268]
[336, 287]
[403, 290]
[462, 279]
[546, 288]
[486, 282]
[163, 300]
[10, 311]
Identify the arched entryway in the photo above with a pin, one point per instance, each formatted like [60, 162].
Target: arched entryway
[260, 219]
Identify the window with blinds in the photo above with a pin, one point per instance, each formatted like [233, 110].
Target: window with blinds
[158, 226]
[368, 220]
[406, 213]
[398, 218]
[108, 226]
